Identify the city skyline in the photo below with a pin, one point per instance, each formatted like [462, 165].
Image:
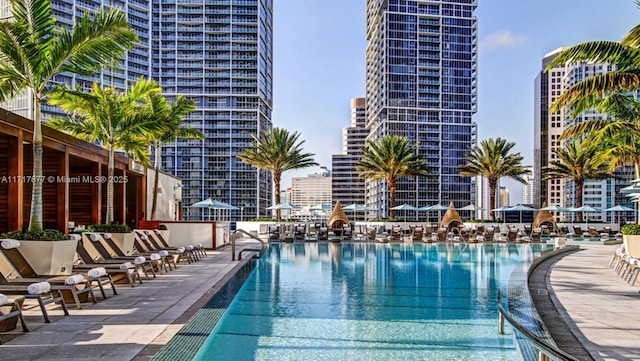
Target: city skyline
[513, 39]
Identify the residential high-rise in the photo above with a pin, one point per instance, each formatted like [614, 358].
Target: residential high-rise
[421, 82]
[549, 127]
[527, 189]
[346, 183]
[136, 64]
[220, 54]
[504, 197]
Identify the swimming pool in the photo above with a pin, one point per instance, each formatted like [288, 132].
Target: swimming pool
[358, 301]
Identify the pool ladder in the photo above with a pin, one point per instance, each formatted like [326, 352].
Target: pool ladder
[252, 236]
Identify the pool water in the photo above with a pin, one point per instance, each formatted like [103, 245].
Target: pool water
[358, 301]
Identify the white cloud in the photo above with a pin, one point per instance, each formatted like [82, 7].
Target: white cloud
[502, 39]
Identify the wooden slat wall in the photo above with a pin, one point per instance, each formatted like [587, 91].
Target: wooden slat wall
[4, 187]
[81, 195]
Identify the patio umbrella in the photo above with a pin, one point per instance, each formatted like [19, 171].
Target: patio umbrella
[355, 207]
[619, 208]
[584, 209]
[500, 209]
[520, 208]
[435, 207]
[471, 207]
[405, 208]
[283, 206]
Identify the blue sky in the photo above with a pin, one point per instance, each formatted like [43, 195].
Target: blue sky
[319, 64]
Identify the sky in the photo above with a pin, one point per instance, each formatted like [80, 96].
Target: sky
[319, 64]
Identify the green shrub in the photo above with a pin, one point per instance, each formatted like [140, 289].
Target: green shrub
[162, 227]
[46, 235]
[109, 228]
[631, 229]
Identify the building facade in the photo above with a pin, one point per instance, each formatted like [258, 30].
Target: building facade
[504, 199]
[220, 54]
[136, 64]
[527, 189]
[421, 82]
[548, 128]
[346, 184]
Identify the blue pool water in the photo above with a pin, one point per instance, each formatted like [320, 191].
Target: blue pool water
[357, 301]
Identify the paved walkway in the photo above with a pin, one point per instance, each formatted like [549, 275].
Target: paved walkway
[600, 309]
[120, 327]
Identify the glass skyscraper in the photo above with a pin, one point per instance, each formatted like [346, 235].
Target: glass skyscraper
[422, 83]
[218, 53]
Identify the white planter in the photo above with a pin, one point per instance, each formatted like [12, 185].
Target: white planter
[632, 245]
[50, 258]
[124, 241]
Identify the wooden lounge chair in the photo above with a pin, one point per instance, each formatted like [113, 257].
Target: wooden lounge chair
[156, 241]
[17, 287]
[442, 234]
[488, 235]
[10, 310]
[274, 233]
[323, 234]
[347, 232]
[112, 268]
[417, 233]
[536, 235]
[75, 291]
[299, 233]
[396, 233]
[109, 255]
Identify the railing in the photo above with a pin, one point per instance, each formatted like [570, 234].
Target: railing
[545, 350]
[233, 244]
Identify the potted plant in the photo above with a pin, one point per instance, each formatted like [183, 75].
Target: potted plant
[631, 239]
[164, 232]
[49, 252]
[120, 233]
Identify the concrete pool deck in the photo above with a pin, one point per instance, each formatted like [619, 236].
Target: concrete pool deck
[598, 307]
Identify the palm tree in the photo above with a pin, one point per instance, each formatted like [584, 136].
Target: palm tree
[616, 136]
[390, 158]
[33, 51]
[277, 151]
[171, 116]
[577, 162]
[625, 54]
[493, 160]
[113, 118]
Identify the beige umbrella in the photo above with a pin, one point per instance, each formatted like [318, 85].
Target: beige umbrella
[450, 216]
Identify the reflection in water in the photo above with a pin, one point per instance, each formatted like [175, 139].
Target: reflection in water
[371, 302]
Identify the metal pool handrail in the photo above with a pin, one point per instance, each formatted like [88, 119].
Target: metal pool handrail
[545, 350]
[233, 245]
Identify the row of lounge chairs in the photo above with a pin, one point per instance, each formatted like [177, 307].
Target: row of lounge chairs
[100, 263]
[627, 267]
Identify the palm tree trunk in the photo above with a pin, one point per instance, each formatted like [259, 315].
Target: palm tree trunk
[110, 172]
[579, 189]
[35, 219]
[276, 182]
[392, 197]
[637, 168]
[156, 180]
[492, 199]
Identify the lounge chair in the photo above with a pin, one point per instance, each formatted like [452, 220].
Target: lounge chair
[109, 255]
[577, 231]
[371, 234]
[274, 233]
[396, 233]
[442, 234]
[157, 242]
[488, 235]
[299, 233]
[536, 235]
[27, 274]
[198, 249]
[128, 270]
[43, 297]
[10, 308]
[417, 233]
[347, 232]
[323, 234]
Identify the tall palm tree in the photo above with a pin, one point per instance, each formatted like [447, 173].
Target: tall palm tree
[390, 158]
[277, 151]
[171, 116]
[618, 135]
[625, 54]
[577, 162]
[493, 160]
[33, 51]
[116, 119]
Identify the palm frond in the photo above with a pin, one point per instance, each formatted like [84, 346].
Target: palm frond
[611, 52]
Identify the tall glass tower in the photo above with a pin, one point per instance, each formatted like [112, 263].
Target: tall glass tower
[421, 83]
[136, 64]
[218, 53]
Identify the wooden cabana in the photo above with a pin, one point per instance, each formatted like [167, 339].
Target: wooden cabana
[542, 218]
[451, 216]
[338, 219]
[74, 186]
